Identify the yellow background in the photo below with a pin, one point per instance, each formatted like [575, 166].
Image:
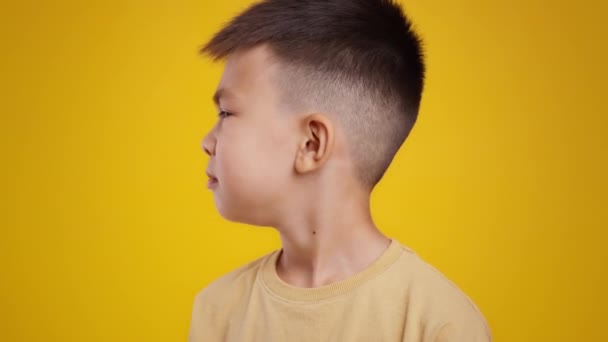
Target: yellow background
[107, 229]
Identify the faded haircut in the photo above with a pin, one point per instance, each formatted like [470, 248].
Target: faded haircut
[358, 61]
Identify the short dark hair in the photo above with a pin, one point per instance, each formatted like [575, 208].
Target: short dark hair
[359, 60]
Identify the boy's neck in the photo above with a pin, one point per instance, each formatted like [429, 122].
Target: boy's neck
[329, 253]
[327, 231]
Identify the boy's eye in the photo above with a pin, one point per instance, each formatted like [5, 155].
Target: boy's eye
[224, 114]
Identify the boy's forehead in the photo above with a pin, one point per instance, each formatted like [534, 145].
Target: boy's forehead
[248, 68]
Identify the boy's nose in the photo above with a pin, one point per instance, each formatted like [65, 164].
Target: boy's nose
[207, 146]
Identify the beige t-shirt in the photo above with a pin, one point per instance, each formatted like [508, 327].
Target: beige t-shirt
[399, 297]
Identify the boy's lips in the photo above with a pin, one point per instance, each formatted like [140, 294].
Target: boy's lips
[212, 180]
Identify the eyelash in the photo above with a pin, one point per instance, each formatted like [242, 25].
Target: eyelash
[224, 114]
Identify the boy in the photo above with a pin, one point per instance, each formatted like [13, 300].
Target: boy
[316, 98]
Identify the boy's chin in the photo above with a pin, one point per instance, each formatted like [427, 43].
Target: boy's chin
[238, 215]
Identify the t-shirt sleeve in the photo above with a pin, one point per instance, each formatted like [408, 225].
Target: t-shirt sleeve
[464, 332]
[204, 320]
[195, 333]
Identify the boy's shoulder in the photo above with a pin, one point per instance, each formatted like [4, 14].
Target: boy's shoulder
[237, 281]
[438, 297]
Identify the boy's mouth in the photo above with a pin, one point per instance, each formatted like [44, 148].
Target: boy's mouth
[212, 180]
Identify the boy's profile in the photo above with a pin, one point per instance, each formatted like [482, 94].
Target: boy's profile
[315, 100]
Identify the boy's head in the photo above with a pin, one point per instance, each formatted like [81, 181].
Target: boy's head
[314, 93]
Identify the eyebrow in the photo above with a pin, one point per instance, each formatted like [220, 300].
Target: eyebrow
[221, 92]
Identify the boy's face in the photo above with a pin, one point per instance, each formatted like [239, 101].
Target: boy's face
[252, 149]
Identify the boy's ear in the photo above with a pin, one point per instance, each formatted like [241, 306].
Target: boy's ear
[316, 144]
